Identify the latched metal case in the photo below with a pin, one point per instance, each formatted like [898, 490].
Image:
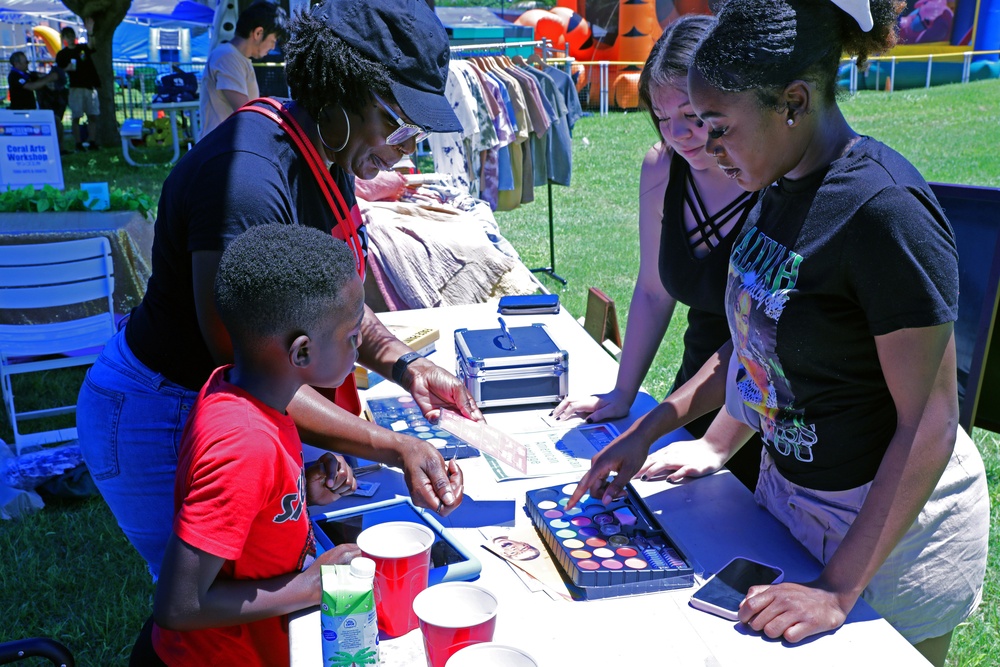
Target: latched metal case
[498, 372]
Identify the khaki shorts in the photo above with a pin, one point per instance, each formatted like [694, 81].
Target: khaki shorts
[83, 101]
[933, 579]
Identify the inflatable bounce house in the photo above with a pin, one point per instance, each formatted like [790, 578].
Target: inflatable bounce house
[945, 29]
[622, 32]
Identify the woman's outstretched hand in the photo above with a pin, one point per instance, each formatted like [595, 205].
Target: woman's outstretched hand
[599, 407]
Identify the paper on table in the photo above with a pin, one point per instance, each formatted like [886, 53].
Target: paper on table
[555, 451]
[522, 547]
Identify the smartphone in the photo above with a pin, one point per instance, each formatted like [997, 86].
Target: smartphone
[725, 590]
[529, 304]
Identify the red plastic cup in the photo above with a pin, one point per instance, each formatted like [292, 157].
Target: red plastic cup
[402, 554]
[453, 616]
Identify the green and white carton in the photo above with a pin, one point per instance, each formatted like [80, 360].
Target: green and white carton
[347, 614]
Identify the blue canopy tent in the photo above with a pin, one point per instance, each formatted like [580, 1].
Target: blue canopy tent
[131, 40]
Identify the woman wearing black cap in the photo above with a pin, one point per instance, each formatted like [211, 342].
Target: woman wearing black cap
[367, 80]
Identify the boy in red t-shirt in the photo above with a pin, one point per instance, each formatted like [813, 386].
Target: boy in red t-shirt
[242, 555]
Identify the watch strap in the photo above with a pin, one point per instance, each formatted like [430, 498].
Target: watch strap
[399, 368]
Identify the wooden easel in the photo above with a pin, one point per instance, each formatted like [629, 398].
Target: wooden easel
[601, 321]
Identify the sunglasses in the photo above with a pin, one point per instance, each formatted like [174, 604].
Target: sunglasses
[405, 131]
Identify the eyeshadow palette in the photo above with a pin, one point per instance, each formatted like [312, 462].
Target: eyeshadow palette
[608, 551]
[403, 415]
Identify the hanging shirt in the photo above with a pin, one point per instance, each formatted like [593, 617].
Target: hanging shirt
[540, 123]
[558, 144]
[449, 148]
[564, 84]
[486, 140]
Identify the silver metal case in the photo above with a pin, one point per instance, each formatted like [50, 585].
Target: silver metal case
[533, 370]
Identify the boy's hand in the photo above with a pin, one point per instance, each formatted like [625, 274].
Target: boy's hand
[342, 554]
[328, 479]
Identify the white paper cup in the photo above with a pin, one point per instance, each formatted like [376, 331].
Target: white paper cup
[491, 655]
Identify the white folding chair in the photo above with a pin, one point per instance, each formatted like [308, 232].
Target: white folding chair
[62, 283]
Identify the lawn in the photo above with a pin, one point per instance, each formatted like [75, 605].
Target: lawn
[68, 573]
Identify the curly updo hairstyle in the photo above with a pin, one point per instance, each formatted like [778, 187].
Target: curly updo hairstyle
[671, 57]
[764, 45]
[323, 70]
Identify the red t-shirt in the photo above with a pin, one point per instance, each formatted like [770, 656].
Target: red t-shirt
[239, 495]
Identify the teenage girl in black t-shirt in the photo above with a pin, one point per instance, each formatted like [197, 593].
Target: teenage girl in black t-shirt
[841, 300]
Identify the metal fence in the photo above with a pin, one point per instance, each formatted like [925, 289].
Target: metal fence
[135, 85]
[601, 85]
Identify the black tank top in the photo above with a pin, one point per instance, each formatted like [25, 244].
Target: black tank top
[699, 283]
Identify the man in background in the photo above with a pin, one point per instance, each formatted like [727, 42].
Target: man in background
[78, 61]
[22, 84]
[229, 81]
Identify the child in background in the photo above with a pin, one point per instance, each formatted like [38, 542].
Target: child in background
[242, 553]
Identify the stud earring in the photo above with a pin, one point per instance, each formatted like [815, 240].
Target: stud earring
[790, 122]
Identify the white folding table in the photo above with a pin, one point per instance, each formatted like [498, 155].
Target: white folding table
[712, 519]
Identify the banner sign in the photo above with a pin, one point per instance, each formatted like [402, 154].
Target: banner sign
[29, 150]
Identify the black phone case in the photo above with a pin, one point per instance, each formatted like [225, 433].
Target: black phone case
[529, 304]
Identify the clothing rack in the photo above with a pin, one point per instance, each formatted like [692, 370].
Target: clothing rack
[496, 48]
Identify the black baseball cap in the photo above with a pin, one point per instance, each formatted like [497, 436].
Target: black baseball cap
[406, 37]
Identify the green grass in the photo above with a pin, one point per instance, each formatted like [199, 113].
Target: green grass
[67, 572]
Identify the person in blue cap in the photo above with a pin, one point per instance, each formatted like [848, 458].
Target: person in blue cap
[367, 80]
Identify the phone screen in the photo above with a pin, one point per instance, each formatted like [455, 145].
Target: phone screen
[346, 529]
[728, 588]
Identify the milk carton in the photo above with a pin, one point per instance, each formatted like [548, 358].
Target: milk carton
[347, 615]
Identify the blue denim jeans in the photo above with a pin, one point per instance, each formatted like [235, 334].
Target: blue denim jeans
[130, 420]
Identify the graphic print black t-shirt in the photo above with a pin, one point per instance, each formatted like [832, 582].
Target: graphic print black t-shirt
[823, 265]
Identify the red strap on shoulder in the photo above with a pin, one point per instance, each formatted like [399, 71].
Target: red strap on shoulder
[346, 395]
[334, 198]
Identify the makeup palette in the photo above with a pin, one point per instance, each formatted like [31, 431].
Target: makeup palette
[608, 551]
[402, 415]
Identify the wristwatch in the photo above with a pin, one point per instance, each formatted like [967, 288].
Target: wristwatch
[401, 365]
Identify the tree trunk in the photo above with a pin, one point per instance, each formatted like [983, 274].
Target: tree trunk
[107, 15]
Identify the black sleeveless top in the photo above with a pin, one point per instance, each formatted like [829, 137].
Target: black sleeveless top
[699, 283]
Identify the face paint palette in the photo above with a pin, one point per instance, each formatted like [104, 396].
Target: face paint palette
[608, 551]
[402, 415]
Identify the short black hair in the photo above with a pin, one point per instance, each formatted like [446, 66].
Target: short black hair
[16, 55]
[323, 70]
[263, 14]
[671, 57]
[764, 45]
[67, 33]
[278, 279]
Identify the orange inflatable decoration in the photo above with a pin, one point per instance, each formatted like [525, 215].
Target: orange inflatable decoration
[546, 26]
[631, 40]
[577, 30]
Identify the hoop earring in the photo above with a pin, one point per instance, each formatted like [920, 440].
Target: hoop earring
[346, 139]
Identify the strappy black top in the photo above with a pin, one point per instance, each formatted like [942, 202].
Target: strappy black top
[697, 282]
